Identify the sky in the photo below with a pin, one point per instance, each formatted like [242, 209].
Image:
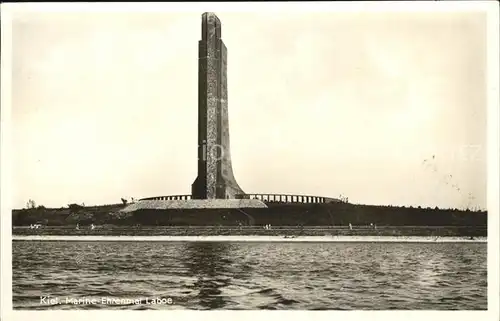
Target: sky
[382, 108]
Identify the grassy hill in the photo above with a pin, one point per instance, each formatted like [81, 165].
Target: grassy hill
[278, 214]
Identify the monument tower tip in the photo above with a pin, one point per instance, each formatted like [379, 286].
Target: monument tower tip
[210, 26]
[210, 15]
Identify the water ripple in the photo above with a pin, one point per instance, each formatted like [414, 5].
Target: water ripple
[315, 276]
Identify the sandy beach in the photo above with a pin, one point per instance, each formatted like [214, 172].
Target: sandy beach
[251, 238]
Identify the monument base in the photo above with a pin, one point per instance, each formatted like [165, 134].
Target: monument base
[194, 204]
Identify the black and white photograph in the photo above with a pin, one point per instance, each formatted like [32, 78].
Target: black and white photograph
[252, 156]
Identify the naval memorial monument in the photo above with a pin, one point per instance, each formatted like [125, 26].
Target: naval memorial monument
[215, 173]
[216, 199]
[215, 186]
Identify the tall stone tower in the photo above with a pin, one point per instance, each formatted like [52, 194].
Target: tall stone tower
[215, 173]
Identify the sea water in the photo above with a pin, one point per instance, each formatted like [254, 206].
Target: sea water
[248, 275]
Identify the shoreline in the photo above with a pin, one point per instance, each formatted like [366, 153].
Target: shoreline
[251, 238]
[284, 232]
